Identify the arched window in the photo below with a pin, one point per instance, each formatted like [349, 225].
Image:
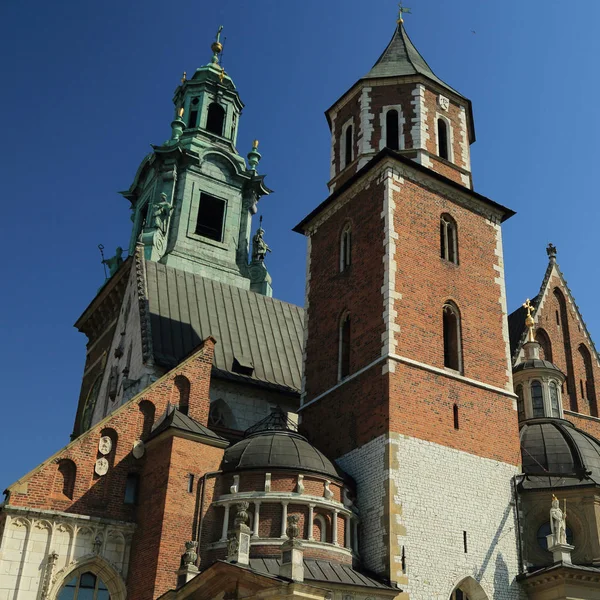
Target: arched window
[215, 119]
[392, 131]
[320, 528]
[148, 411]
[182, 384]
[554, 401]
[564, 324]
[344, 347]
[455, 413]
[443, 149]
[520, 403]
[537, 399]
[541, 337]
[220, 415]
[193, 118]
[346, 248]
[348, 145]
[86, 586]
[65, 478]
[448, 239]
[452, 337]
[588, 385]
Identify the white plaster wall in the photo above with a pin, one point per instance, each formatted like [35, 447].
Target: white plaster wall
[440, 492]
[27, 542]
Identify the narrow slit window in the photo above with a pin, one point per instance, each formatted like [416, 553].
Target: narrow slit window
[537, 399]
[190, 483]
[211, 217]
[452, 344]
[448, 239]
[455, 413]
[344, 349]
[443, 139]
[193, 118]
[215, 119]
[392, 130]
[348, 142]
[346, 248]
[465, 546]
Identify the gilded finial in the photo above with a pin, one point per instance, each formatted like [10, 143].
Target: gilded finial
[216, 46]
[180, 112]
[184, 77]
[402, 10]
[255, 144]
[529, 322]
[222, 75]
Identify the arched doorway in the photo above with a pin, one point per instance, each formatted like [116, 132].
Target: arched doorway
[468, 589]
[91, 579]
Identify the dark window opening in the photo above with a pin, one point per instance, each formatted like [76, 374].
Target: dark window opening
[243, 365]
[346, 249]
[183, 388]
[537, 399]
[344, 368]
[581, 388]
[132, 488]
[67, 472]
[190, 485]
[520, 403]
[348, 146]
[465, 541]
[452, 349]
[392, 131]
[193, 118]
[455, 411]
[443, 139]
[557, 319]
[215, 119]
[448, 239]
[211, 216]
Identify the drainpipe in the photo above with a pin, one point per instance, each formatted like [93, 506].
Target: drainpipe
[202, 493]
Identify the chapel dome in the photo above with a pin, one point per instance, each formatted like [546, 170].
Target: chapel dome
[535, 363]
[272, 444]
[556, 454]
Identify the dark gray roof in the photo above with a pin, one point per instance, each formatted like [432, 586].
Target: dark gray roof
[557, 454]
[278, 450]
[401, 58]
[177, 420]
[535, 363]
[186, 308]
[322, 570]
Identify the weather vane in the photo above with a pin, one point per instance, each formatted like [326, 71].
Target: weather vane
[401, 11]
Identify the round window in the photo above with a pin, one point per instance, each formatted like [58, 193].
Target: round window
[544, 531]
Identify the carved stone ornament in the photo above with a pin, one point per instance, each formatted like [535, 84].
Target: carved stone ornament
[105, 445]
[443, 102]
[138, 449]
[101, 467]
[293, 530]
[190, 556]
[327, 493]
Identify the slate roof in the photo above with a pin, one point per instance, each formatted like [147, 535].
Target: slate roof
[401, 58]
[249, 328]
[322, 570]
[177, 420]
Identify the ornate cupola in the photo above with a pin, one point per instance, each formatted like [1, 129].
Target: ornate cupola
[538, 383]
[194, 196]
[402, 105]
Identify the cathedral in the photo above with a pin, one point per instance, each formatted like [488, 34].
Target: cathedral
[401, 436]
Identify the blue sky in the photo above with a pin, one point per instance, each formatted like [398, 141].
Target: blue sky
[87, 87]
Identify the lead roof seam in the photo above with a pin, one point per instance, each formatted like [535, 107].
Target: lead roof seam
[276, 340]
[279, 316]
[259, 366]
[224, 291]
[260, 336]
[244, 345]
[291, 321]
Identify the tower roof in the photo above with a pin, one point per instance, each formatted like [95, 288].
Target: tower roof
[401, 58]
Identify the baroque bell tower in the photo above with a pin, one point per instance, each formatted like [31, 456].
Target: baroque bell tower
[194, 196]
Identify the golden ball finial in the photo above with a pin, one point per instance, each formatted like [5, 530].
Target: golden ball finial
[255, 144]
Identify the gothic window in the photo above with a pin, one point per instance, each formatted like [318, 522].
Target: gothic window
[220, 415]
[346, 248]
[215, 119]
[392, 136]
[132, 485]
[443, 149]
[452, 341]
[520, 403]
[193, 119]
[541, 337]
[456, 421]
[537, 399]
[182, 384]
[344, 347]
[65, 478]
[347, 143]
[569, 359]
[448, 239]
[554, 401]
[588, 386]
[86, 586]
[211, 217]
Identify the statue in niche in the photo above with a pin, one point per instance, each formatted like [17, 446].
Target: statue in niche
[558, 522]
[259, 246]
[115, 262]
[160, 214]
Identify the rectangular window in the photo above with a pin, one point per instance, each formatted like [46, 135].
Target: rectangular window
[211, 217]
[132, 488]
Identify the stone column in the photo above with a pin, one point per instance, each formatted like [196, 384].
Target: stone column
[355, 536]
[348, 532]
[225, 523]
[311, 518]
[334, 522]
[284, 506]
[256, 517]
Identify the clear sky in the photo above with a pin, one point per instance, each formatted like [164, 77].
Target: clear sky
[87, 87]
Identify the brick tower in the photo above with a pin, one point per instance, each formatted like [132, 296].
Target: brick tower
[407, 380]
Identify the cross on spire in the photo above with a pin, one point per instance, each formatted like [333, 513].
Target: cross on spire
[401, 11]
[529, 322]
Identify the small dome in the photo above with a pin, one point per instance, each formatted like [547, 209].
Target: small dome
[555, 453]
[535, 363]
[266, 450]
